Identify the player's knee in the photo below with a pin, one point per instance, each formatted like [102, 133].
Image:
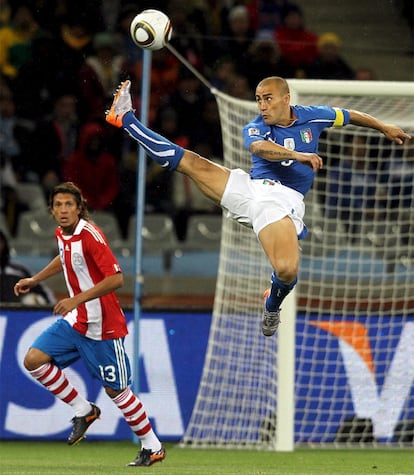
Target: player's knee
[188, 162]
[35, 358]
[28, 362]
[287, 270]
[194, 165]
[112, 393]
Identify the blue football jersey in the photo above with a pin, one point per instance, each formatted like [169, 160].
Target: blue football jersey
[302, 136]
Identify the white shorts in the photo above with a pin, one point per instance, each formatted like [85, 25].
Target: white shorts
[257, 203]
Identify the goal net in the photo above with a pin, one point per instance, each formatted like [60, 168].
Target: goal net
[351, 343]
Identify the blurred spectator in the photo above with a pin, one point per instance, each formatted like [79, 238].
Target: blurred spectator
[160, 190]
[93, 168]
[130, 50]
[15, 39]
[185, 37]
[86, 12]
[209, 18]
[252, 7]
[99, 75]
[11, 272]
[15, 136]
[354, 193]
[40, 79]
[397, 168]
[167, 124]
[406, 9]
[297, 44]
[365, 74]
[48, 14]
[109, 12]
[125, 204]
[329, 64]
[74, 44]
[238, 38]
[397, 165]
[188, 100]
[232, 44]
[268, 14]
[206, 138]
[9, 150]
[15, 139]
[371, 192]
[223, 70]
[165, 73]
[265, 60]
[238, 86]
[158, 179]
[51, 14]
[5, 13]
[54, 140]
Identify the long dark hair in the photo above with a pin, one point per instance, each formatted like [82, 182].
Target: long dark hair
[71, 188]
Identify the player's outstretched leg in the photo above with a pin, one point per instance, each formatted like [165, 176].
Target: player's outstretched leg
[121, 114]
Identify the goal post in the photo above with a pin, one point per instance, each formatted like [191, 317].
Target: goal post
[339, 370]
[285, 409]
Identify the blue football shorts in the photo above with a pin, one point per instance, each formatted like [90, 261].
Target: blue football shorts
[105, 360]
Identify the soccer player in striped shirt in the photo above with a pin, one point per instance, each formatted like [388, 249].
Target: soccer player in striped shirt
[92, 327]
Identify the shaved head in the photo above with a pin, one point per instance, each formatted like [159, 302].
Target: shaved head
[277, 81]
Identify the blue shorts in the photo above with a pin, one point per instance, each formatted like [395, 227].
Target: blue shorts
[105, 360]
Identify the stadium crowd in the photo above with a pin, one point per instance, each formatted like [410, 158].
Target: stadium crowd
[60, 62]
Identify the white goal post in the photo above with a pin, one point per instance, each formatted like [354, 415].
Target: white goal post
[341, 369]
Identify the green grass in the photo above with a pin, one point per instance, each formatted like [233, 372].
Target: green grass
[107, 458]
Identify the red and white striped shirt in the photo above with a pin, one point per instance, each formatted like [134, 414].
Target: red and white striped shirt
[87, 259]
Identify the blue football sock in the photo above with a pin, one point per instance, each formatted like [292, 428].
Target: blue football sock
[160, 149]
[278, 291]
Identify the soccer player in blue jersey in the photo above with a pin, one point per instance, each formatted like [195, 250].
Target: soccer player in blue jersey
[283, 141]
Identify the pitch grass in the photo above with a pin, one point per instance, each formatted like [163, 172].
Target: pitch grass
[110, 458]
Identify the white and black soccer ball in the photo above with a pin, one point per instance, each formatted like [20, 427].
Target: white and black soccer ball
[151, 29]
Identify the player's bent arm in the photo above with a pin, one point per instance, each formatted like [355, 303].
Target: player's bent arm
[24, 285]
[274, 152]
[105, 286]
[391, 131]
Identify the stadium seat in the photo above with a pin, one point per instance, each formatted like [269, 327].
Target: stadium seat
[158, 237]
[35, 234]
[108, 224]
[203, 232]
[32, 195]
[158, 232]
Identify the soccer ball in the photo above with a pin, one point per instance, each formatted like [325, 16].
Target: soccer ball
[151, 29]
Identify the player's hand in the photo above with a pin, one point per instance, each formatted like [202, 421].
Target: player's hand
[23, 286]
[64, 306]
[396, 134]
[311, 159]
